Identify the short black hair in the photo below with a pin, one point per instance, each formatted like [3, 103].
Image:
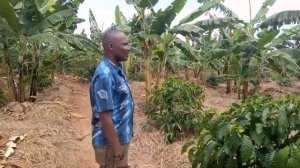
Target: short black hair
[107, 35]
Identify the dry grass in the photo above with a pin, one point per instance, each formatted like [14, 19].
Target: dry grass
[49, 137]
[148, 148]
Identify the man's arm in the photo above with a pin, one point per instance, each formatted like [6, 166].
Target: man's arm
[112, 137]
[110, 132]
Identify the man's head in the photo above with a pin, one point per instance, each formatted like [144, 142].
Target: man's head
[115, 45]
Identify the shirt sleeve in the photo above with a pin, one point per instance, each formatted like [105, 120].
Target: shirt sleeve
[103, 94]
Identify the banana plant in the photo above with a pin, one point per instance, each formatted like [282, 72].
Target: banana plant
[34, 27]
[122, 23]
[163, 51]
[188, 51]
[229, 19]
[246, 30]
[96, 33]
[270, 40]
[147, 28]
[207, 5]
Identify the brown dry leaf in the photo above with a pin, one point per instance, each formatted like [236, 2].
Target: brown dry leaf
[2, 154]
[76, 115]
[3, 141]
[9, 152]
[15, 163]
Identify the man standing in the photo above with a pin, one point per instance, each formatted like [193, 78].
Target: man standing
[112, 104]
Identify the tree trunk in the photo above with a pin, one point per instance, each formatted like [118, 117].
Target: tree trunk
[2, 65]
[245, 89]
[235, 86]
[36, 59]
[21, 87]
[53, 72]
[205, 74]
[195, 70]
[147, 70]
[127, 63]
[228, 89]
[10, 77]
[55, 63]
[187, 73]
[239, 93]
[258, 79]
[162, 69]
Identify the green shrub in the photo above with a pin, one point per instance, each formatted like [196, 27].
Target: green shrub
[137, 76]
[260, 132]
[176, 108]
[44, 81]
[87, 72]
[213, 81]
[283, 79]
[3, 99]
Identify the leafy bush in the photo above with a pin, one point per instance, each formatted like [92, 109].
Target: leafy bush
[176, 107]
[282, 79]
[3, 99]
[213, 81]
[138, 76]
[261, 132]
[87, 72]
[44, 81]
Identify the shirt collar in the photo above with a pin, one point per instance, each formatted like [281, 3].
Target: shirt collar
[118, 68]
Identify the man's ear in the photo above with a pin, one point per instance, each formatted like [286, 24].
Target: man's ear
[110, 46]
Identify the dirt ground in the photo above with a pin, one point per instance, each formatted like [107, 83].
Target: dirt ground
[57, 127]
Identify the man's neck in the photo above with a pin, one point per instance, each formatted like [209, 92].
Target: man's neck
[112, 60]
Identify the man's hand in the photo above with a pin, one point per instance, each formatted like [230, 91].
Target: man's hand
[122, 163]
[110, 132]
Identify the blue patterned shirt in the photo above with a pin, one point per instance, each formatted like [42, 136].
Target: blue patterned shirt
[110, 91]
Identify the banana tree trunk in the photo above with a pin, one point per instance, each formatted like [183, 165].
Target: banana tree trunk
[195, 71]
[258, 78]
[187, 74]
[2, 67]
[10, 77]
[235, 86]
[205, 74]
[147, 70]
[53, 72]
[54, 65]
[127, 63]
[36, 62]
[238, 88]
[245, 89]
[162, 69]
[228, 88]
[21, 87]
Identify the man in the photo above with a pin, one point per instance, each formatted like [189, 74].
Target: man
[112, 104]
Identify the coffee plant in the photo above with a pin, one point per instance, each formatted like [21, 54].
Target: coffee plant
[260, 132]
[176, 108]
